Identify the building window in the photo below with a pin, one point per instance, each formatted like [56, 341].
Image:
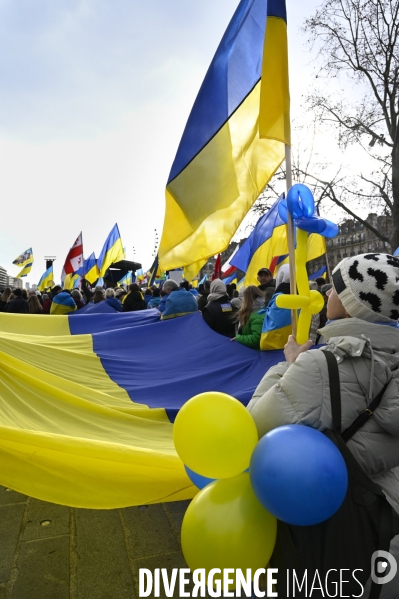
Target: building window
[369, 246]
[345, 255]
[386, 244]
[352, 253]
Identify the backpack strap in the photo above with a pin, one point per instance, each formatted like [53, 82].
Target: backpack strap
[335, 392]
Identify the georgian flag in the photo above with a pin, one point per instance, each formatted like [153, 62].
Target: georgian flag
[74, 260]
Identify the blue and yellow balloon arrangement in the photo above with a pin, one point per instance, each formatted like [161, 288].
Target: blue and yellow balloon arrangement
[294, 473]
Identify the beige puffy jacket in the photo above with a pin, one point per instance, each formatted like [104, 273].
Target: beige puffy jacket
[299, 393]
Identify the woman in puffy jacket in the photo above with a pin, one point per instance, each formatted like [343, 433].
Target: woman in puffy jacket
[250, 317]
[362, 332]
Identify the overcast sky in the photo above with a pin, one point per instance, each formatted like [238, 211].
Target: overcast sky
[94, 97]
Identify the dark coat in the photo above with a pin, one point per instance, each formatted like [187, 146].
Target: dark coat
[218, 315]
[17, 306]
[134, 301]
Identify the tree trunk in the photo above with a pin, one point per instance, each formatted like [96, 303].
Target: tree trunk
[395, 198]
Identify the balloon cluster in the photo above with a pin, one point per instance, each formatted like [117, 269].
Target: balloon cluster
[295, 474]
[300, 205]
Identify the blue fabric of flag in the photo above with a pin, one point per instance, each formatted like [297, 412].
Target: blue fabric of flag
[208, 364]
[318, 273]
[230, 278]
[217, 101]
[276, 8]
[262, 231]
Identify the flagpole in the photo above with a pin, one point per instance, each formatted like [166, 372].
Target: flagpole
[291, 237]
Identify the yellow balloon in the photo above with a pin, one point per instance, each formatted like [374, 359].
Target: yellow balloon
[215, 435]
[225, 526]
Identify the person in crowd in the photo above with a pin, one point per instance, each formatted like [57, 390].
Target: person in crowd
[218, 312]
[47, 303]
[63, 303]
[167, 288]
[277, 323]
[35, 306]
[320, 282]
[156, 298]
[25, 294]
[236, 302]
[17, 305]
[86, 290]
[78, 299]
[147, 296]
[112, 301]
[363, 334]
[134, 300]
[194, 292]
[203, 298]
[179, 302]
[250, 317]
[185, 285]
[4, 299]
[99, 295]
[266, 284]
[230, 290]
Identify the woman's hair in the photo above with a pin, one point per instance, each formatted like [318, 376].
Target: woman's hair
[251, 294]
[156, 292]
[76, 294]
[134, 287]
[35, 306]
[6, 294]
[99, 295]
[110, 293]
[148, 291]
[24, 294]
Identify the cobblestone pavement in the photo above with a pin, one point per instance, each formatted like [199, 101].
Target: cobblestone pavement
[50, 551]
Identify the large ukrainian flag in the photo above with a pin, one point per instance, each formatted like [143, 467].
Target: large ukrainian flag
[85, 410]
[222, 165]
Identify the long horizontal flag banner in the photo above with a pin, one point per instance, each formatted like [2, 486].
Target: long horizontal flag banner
[24, 258]
[221, 165]
[86, 415]
[268, 240]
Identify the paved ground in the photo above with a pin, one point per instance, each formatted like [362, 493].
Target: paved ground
[49, 551]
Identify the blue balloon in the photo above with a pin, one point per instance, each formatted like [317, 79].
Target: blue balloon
[298, 475]
[300, 201]
[331, 230]
[311, 224]
[198, 480]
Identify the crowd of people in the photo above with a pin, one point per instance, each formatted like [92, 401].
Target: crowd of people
[238, 315]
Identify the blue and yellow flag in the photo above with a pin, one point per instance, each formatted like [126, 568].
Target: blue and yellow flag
[24, 258]
[113, 251]
[25, 271]
[90, 270]
[85, 413]
[127, 279]
[47, 279]
[274, 115]
[267, 240]
[221, 165]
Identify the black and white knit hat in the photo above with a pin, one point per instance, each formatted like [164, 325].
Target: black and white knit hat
[368, 286]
